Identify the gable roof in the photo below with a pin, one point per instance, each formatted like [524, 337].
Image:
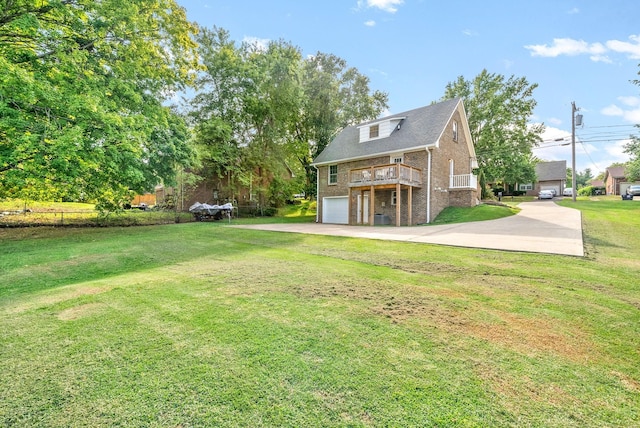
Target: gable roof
[615, 171]
[419, 128]
[548, 171]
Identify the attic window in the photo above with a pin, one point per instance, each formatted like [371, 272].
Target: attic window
[374, 131]
[455, 131]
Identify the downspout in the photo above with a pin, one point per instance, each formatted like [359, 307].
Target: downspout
[317, 192]
[429, 186]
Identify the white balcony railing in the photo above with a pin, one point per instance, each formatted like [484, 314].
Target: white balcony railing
[463, 181]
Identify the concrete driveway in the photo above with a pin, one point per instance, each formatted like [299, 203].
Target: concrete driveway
[540, 227]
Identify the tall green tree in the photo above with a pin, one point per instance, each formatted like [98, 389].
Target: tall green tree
[632, 168]
[248, 101]
[83, 86]
[335, 96]
[263, 112]
[498, 112]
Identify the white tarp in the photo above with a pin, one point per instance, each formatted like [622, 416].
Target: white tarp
[209, 209]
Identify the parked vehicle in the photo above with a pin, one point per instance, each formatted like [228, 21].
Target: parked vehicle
[567, 192]
[545, 194]
[633, 190]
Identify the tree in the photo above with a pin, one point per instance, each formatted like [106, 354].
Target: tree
[632, 168]
[335, 96]
[264, 112]
[498, 111]
[244, 113]
[82, 92]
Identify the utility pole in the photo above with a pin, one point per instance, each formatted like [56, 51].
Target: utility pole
[574, 173]
[573, 150]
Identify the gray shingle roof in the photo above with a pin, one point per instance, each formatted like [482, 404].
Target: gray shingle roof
[615, 171]
[547, 171]
[421, 127]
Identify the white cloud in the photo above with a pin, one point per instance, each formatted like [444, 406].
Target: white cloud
[385, 5]
[612, 110]
[630, 101]
[574, 11]
[470, 33]
[600, 58]
[260, 44]
[631, 115]
[616, 150]
[551, 134]
[555, 121]
[631, 49]
[566, 47]
[370, 23]
[507, 63]
[596, 51]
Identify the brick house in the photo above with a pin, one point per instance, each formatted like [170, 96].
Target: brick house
[613, 178]
[402, 169]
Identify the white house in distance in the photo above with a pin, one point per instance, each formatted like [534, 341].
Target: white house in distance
[402, 169]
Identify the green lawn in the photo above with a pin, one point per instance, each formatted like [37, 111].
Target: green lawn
[201, 324]
[478, 213]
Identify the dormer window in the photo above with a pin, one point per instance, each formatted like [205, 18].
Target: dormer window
[380, 129]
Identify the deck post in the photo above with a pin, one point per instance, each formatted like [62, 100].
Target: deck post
[349, 207]
[409, 205]
[398, 203]
[372, 205]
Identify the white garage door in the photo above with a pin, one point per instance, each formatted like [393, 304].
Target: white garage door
[335, 210]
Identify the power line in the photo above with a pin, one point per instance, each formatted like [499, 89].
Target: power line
[589, 156]
[611, 126]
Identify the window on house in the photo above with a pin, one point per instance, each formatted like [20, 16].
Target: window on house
[397, 159]
[394, 198]
[374, 131]
[455, 131]
[525, 187]
[333, 174]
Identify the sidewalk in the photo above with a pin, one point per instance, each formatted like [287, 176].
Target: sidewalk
[540, 227]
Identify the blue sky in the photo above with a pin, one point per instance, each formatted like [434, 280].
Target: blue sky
[584, 51]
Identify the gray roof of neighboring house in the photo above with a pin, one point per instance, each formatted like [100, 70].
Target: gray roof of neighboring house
[421, 127]
[615, 171]
[548, 171]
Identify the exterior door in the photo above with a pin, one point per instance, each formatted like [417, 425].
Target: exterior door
[364, 216]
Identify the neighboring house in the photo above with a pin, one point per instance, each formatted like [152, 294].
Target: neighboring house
[613, 178]
[597, 187]
[216, 190]
[550, 176]
[402, 169]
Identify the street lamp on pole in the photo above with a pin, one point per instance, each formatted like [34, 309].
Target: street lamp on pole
[575, 120]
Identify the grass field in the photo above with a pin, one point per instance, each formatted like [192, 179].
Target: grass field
[201, 324]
